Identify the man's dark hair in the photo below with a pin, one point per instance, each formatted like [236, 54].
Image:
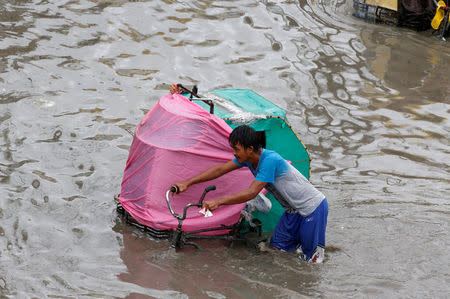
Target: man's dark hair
[245, 136]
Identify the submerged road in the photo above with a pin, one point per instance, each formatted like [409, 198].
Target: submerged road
[370, 102]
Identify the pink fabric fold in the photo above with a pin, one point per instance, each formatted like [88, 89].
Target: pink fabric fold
[176, 140]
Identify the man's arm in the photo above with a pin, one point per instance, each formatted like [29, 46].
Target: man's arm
[239, 197]
[207, 175]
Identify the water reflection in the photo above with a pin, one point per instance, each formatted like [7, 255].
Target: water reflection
[203, 273]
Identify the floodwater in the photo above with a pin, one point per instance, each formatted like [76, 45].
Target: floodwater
[371, 102]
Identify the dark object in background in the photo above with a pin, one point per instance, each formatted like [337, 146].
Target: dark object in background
[414, 14]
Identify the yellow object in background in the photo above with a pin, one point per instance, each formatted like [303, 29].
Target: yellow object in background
[389, 4]
[439, 16]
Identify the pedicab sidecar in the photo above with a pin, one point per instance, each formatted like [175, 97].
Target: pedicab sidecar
[179, 138]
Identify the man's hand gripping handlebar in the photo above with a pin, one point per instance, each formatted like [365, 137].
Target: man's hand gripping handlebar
[176, 189]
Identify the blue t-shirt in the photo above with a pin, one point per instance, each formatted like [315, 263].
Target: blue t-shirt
[294, 192]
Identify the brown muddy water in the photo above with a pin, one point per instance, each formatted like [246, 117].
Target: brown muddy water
[371, 103]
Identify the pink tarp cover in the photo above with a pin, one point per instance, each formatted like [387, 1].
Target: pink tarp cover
[176, 140]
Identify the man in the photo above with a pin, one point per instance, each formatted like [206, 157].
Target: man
[303, 224]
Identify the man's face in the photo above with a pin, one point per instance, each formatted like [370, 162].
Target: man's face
[241, 153]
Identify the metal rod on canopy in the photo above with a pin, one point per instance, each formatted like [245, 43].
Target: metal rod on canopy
[193, 92]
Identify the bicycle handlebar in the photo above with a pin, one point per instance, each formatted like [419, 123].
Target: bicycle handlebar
[175, 189]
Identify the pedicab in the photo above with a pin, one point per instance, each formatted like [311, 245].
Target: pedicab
[184, 134]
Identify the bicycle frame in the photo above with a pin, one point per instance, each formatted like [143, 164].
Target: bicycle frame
[180, 237]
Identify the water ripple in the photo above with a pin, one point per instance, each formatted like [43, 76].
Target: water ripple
[370, 102]
[13, 97]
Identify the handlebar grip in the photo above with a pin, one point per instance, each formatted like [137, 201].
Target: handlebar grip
[174, 189]
[210, 188]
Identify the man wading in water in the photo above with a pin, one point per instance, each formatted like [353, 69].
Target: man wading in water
[303, 224]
